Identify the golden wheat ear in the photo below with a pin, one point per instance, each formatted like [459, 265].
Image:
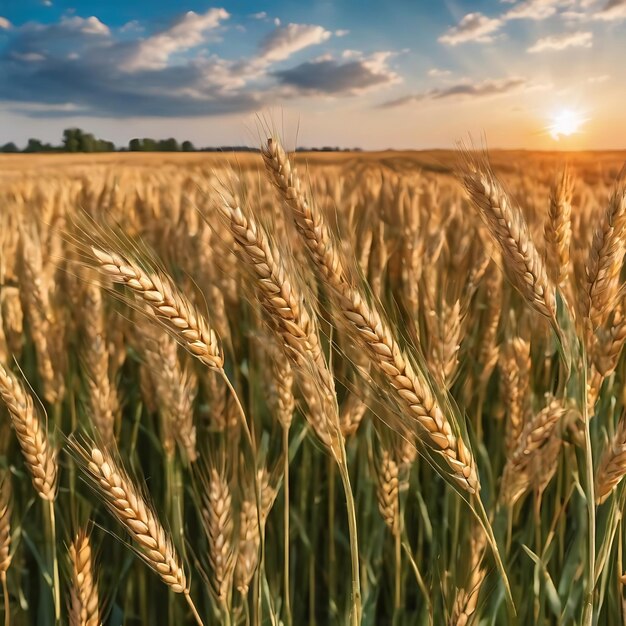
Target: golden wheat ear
[368, 327]
[508, 228]
[131, 507]
[30, 428]
[5, 524]
[84, 607]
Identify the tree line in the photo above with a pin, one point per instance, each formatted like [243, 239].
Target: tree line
[76, 140]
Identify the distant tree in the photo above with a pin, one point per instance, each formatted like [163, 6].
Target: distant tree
[134, 145]
[187, 146]
[168, 145]
[148, 145]
[72, 139]
[34, 145]
[87, 143]
[9, 147]
[76, 140]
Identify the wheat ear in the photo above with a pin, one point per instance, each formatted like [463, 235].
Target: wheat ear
[168, 304]
[132, 509]
[367, 325]
[103, 400]
[39, 456]
[219, 526]
[5, 540]
[84, 609]
[605, 261]
[509, 229]
[612, 467]
[284, 304]
[538, 432]
[247, 547]
[558, 229]
[31, 434]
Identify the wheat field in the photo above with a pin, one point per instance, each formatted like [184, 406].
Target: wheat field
[332, 389]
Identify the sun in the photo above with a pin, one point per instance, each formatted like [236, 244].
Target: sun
[566, 122]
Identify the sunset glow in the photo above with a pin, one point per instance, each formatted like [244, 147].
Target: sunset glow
[565, 123]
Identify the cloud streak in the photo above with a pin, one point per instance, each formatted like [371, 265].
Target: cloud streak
[581, 39]
[465, 89]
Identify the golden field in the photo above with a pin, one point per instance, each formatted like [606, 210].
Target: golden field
[375, 388]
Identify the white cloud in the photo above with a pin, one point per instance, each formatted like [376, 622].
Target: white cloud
[90, 25]
[47, 3]
[132, 26]
[533, 10]
[595, 80]
[613, 10]
[261, 15]
[287, 40]
[473, 27]
[582, 39]
[342, 32]
[575, 16]
[4, 23]
[186, 33]
[437, 73]
[28, 57]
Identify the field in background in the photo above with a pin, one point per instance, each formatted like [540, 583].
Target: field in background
[315, 386]
[591, 165]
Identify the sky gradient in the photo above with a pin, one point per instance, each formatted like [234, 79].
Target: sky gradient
[407, 74]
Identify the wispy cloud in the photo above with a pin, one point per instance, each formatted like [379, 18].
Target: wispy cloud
[582, 39]
[287, 40]
[184, 34]
[465, 89]
[437, 73]
[473, 27]
[535, 9]
[4, 23]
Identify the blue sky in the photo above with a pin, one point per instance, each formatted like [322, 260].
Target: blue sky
[404, 74]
